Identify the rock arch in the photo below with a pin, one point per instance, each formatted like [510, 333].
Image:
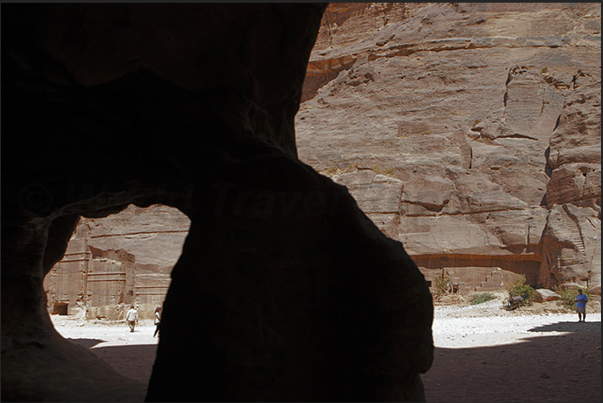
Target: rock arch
[284, 291]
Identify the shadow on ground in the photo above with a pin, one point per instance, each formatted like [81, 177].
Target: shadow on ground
[569, 327]
[133, 361]
[88, 343]
[557, 368]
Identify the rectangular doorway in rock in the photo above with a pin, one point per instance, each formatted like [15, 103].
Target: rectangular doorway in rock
[60, 308]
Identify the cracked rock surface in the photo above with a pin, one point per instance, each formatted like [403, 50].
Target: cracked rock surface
[469, 132]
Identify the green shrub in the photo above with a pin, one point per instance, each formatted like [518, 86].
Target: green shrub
[441, 283]
[519, 287]
[480, 298]
[568, 295]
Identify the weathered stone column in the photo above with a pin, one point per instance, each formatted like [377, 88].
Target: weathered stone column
[285, 290]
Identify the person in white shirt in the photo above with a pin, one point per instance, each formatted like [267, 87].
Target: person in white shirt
[132, 318]
[157, 319]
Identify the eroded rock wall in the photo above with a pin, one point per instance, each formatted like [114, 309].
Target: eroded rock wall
[154, 235]
[482, 121]
[470, 132]
[572, 236]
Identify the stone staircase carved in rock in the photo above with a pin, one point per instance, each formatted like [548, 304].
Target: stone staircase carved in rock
[572, 227]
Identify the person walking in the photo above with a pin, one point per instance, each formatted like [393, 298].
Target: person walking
[581, 301]
[132, 318]
[157, 319]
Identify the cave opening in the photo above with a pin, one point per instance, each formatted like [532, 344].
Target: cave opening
[113, 262]
[271, 314]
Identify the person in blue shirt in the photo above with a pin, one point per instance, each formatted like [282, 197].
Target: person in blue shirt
[581, 301]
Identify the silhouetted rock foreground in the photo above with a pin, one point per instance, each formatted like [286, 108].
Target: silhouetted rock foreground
[285, 290]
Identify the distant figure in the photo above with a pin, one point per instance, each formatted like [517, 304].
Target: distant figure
[157, 319]
[581, 301]
[132, 318]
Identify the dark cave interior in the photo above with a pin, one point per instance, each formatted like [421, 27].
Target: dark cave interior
[107, 105]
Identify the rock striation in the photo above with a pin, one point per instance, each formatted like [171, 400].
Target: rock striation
[154, 235]
[470, 132]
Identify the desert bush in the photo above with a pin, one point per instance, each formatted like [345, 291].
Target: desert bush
[519, 287]
[568, 295]
[441, 283]
[481, 298]
[333, 170]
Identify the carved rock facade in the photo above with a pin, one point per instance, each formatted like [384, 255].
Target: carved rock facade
[113, 262]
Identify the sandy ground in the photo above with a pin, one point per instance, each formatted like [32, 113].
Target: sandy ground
[538, 353]
[130, 353]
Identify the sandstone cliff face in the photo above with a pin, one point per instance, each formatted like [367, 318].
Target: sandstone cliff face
[470, 132]
[154, 235]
